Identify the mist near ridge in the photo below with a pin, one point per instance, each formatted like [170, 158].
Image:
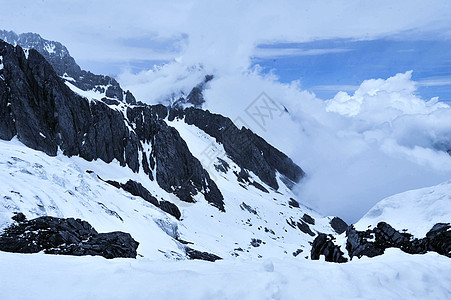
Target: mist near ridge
[355, 148]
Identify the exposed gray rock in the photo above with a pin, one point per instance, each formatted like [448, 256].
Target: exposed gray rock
[373, 242]
[305, 228]
[338, 225]
[256, 242]
[245, 148]
[195, 254]
[65, 236]
[137, 189]
[308, 219]
[323, 245]
[293, 203]
[46, 115]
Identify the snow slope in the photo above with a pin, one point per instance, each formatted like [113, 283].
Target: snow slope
[395, 275]
[417, 210]
[35, 184]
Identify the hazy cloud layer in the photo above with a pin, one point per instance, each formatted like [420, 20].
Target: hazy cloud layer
[222, 34]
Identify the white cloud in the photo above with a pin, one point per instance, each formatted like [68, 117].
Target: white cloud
[332, 87]
[387, 141]
[222, 34]
[435, 81]
[280, 52]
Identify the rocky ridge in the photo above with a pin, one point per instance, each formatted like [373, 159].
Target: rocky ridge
[65, 66]
[373, 242]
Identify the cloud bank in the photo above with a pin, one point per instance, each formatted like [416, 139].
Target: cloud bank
[221, 34]
[356, 148]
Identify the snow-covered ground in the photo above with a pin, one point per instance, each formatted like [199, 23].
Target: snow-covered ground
[395, 275]
[37, 185]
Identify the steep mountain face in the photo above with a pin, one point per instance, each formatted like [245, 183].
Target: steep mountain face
[153, 153]
[46, 115]
[65, 66]
[243, 146]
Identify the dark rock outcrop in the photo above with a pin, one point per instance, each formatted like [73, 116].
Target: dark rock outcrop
[293, 203]
[338, 225]
[256, 242]
[373, 242]
[195, 254]
[195, 96]
[65, 236]
[308, 219]
[323, 245]
[305, 228]
[137, 189]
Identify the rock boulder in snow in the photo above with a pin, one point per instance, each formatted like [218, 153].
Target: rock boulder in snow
[323, 245]
[338, 225]
[65, 236]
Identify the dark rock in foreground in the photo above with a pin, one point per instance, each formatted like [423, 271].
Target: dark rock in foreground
[323, 245]
[373, 242]
[65, 236]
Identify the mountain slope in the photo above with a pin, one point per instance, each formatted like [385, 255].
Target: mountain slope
[235, 201]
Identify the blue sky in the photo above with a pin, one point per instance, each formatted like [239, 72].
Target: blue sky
[328, 66]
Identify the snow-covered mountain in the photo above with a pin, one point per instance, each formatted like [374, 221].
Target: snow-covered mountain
[185, 184]
[210, 171]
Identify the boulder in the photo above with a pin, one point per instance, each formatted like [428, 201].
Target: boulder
[65, 236]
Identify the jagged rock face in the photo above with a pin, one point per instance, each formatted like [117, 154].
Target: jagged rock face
[64, 65]
[245, 148]
[177, 170]
[323, 245]
[338, 225]
[45, 114]
[54, 52]
[373, 242]
[177, 167]
[137, 189]
[196, 254]
[38, 107]
[195, 96]
[65, 236]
